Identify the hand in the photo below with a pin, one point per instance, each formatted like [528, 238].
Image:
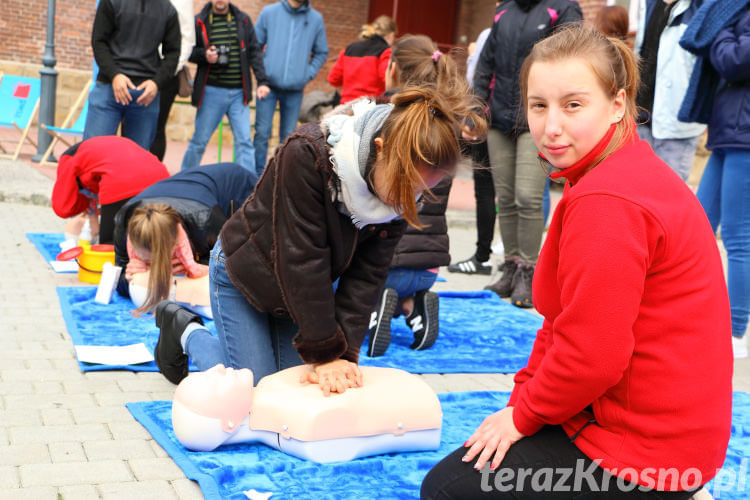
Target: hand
[262, 91]
[496, 434]
[211, 55]
[121, 86]
[149, 92]
[334, 376]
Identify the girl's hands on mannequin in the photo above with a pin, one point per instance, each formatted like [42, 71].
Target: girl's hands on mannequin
[335, 376]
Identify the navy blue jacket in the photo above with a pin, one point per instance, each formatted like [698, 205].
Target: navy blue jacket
[204, 197]
[519, 24]
[730, 117]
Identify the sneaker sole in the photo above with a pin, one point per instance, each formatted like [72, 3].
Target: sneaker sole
[432, 322]
[380, 338]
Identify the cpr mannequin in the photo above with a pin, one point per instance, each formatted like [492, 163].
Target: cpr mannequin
[191, 293]
[393, 411]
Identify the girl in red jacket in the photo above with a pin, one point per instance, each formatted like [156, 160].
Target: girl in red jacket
[360, 68]
[628, 386]
[106, 170]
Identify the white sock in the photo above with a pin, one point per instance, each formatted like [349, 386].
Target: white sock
[194, 325]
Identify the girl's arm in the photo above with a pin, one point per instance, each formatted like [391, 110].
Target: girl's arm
[184, 253]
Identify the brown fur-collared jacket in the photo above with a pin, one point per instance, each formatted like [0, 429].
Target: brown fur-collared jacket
[288, 243]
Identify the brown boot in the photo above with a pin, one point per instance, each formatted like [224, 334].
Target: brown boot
[521, 294]
[503, 286]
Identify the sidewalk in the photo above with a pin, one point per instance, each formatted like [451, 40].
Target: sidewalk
[66, 434]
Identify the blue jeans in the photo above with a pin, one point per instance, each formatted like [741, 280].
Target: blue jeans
[216, 103]
[289, 104]
[247, 337]
[677, 153]
[407, 282]
[105, 114]
[724, 192]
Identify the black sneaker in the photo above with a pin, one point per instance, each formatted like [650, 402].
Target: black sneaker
[521, 295]
[380, 323]
[423, 320]
[504, 286]
[172, 320]
[471, 266]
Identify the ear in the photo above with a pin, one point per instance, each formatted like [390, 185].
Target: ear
[619, 106]
[394, 72]
[378, 145]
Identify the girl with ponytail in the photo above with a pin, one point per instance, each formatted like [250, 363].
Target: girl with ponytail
[330, 207]
[628, 260]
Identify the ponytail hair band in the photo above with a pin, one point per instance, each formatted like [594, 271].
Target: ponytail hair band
[436, 55]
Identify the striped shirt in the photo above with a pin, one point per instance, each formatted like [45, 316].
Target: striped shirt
[222, 29]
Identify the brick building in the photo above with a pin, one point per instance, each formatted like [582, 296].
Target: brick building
[23, 22]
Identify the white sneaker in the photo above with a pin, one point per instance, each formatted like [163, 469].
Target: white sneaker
[739, 347]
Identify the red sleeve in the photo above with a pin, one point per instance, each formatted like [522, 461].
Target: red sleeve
[67, 201]
[385, 58]
[336, 75]
[604, 255]
[184, 254]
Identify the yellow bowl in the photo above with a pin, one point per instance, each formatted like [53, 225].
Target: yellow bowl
[91, 262]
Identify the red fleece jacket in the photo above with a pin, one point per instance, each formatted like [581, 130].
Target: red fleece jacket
[360, 69]
[113, 167]
[637, 323]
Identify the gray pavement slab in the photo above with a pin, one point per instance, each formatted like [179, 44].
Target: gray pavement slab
[65, 434]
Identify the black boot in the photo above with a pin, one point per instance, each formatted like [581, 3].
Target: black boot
[423, 320]
[172, 320]
[504, 285]
[521, 295]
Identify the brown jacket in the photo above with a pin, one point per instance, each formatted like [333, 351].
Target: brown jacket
[288, 243]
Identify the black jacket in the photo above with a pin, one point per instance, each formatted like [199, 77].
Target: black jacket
[250, 53]
[519, 24]
[288, 243]
[429, 247]
[126, 38]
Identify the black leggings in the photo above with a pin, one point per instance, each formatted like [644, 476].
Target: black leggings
[484, 194]
[107, 221]
[549, 449]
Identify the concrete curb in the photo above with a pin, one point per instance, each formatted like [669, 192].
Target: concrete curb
[22, 183]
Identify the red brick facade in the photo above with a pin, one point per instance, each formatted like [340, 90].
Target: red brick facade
[23, 22]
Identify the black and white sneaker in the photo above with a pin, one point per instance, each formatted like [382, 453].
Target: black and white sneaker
[423, 320]
[471, 266]
[380, 323]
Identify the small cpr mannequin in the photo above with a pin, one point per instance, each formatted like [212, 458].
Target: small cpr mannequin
[191, 293]
[393, 411]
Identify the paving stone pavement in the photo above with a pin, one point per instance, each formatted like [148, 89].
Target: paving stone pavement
[66, 434]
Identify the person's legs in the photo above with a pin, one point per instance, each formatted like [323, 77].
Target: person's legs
[289, 104]
[677, 153]
[104, 114]
[644, 132]
[139, 122]
[735, 233]
[549, 451]
[502, 151]
[709, 189]
[283, 331]
[546, 203]
[244, 339]
[239, 120]
[107, 221]
[213, 106]
[264, 110]
[166, 98]
[484, 194]
[530, 181]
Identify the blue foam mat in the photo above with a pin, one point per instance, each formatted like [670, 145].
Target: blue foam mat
[473, 325]
[232, 469]
[48, 245]
[91, 323]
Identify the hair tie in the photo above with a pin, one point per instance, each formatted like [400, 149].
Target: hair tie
[149, 211]
[436, 55]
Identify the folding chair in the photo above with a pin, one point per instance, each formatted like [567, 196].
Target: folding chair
[19, 102]
[76, 129]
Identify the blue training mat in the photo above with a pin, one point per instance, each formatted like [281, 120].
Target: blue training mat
[91, 323]
[48, 245]
[473, 326]
[232, 469]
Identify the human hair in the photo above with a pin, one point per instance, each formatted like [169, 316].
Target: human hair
[382, 25]
[611, 61]
[153, 227]
[613, 21]
[419, 61]
[423, 129]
